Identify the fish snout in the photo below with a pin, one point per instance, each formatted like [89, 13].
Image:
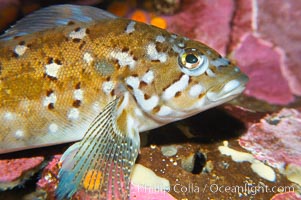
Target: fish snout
[229, 89]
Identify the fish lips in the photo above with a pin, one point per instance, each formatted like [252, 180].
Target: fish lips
[229, 90]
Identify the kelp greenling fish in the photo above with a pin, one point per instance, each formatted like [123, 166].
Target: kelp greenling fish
[70, 73]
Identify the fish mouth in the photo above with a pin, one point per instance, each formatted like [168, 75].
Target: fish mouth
[230, 90]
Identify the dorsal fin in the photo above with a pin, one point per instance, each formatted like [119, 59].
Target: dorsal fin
[53, 16]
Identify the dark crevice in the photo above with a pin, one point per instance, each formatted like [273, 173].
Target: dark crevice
[207, 127]
[199, 162]
[231, 25]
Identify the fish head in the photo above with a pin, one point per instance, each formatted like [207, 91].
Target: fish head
[197, 78]
[221, 80]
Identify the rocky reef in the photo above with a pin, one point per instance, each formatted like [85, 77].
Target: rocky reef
[247, 149]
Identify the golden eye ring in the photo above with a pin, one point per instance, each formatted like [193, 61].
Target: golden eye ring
[193, 62]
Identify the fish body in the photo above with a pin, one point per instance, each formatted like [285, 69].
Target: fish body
[71, 73]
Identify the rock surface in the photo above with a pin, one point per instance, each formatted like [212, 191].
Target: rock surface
[207, 21]
[275, 25]
[16, 171]
[276, 139]
[262, 63]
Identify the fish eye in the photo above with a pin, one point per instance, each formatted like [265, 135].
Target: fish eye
[193, 62]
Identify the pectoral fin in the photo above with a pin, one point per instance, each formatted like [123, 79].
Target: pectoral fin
[99, 166]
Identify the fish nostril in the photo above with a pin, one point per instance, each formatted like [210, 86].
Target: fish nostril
[236, 69]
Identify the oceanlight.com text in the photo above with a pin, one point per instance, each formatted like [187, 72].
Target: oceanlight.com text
[247, 189]
[244, 189]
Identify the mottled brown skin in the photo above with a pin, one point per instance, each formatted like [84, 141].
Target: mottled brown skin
[24, 82]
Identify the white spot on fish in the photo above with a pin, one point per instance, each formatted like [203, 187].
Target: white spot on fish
[177, 49]
[209, 52]
[164, 111]
[124, 59]
[108, 86]
[50, 99]
[131, 27]
[138, 112]
[130, 125]
[201, 103]
[73, 113]
[236, 69]
[52, 69]
[124, 103]
[219, 62]
[153, 54]
[145, 104]
[210, 73]
[96, 106]
[196, 90]
[178, 86]
[174, 36]
[78, 34]
[53, 128]
[181, 45]
[78, 94]
[160, 39]
[9, 116]
[148, 77]
[88, 58]
[20, 49]
[132, 81]
[19, 134]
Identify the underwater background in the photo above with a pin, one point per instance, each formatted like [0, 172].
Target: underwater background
[249, 148]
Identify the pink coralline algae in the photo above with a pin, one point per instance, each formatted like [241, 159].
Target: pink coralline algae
[49, 180]
[207, 21]
[148, 194]
[276, 139]
[286, 196]
[15, 171]
[280, 24]
[276, 26]
[262, 63]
